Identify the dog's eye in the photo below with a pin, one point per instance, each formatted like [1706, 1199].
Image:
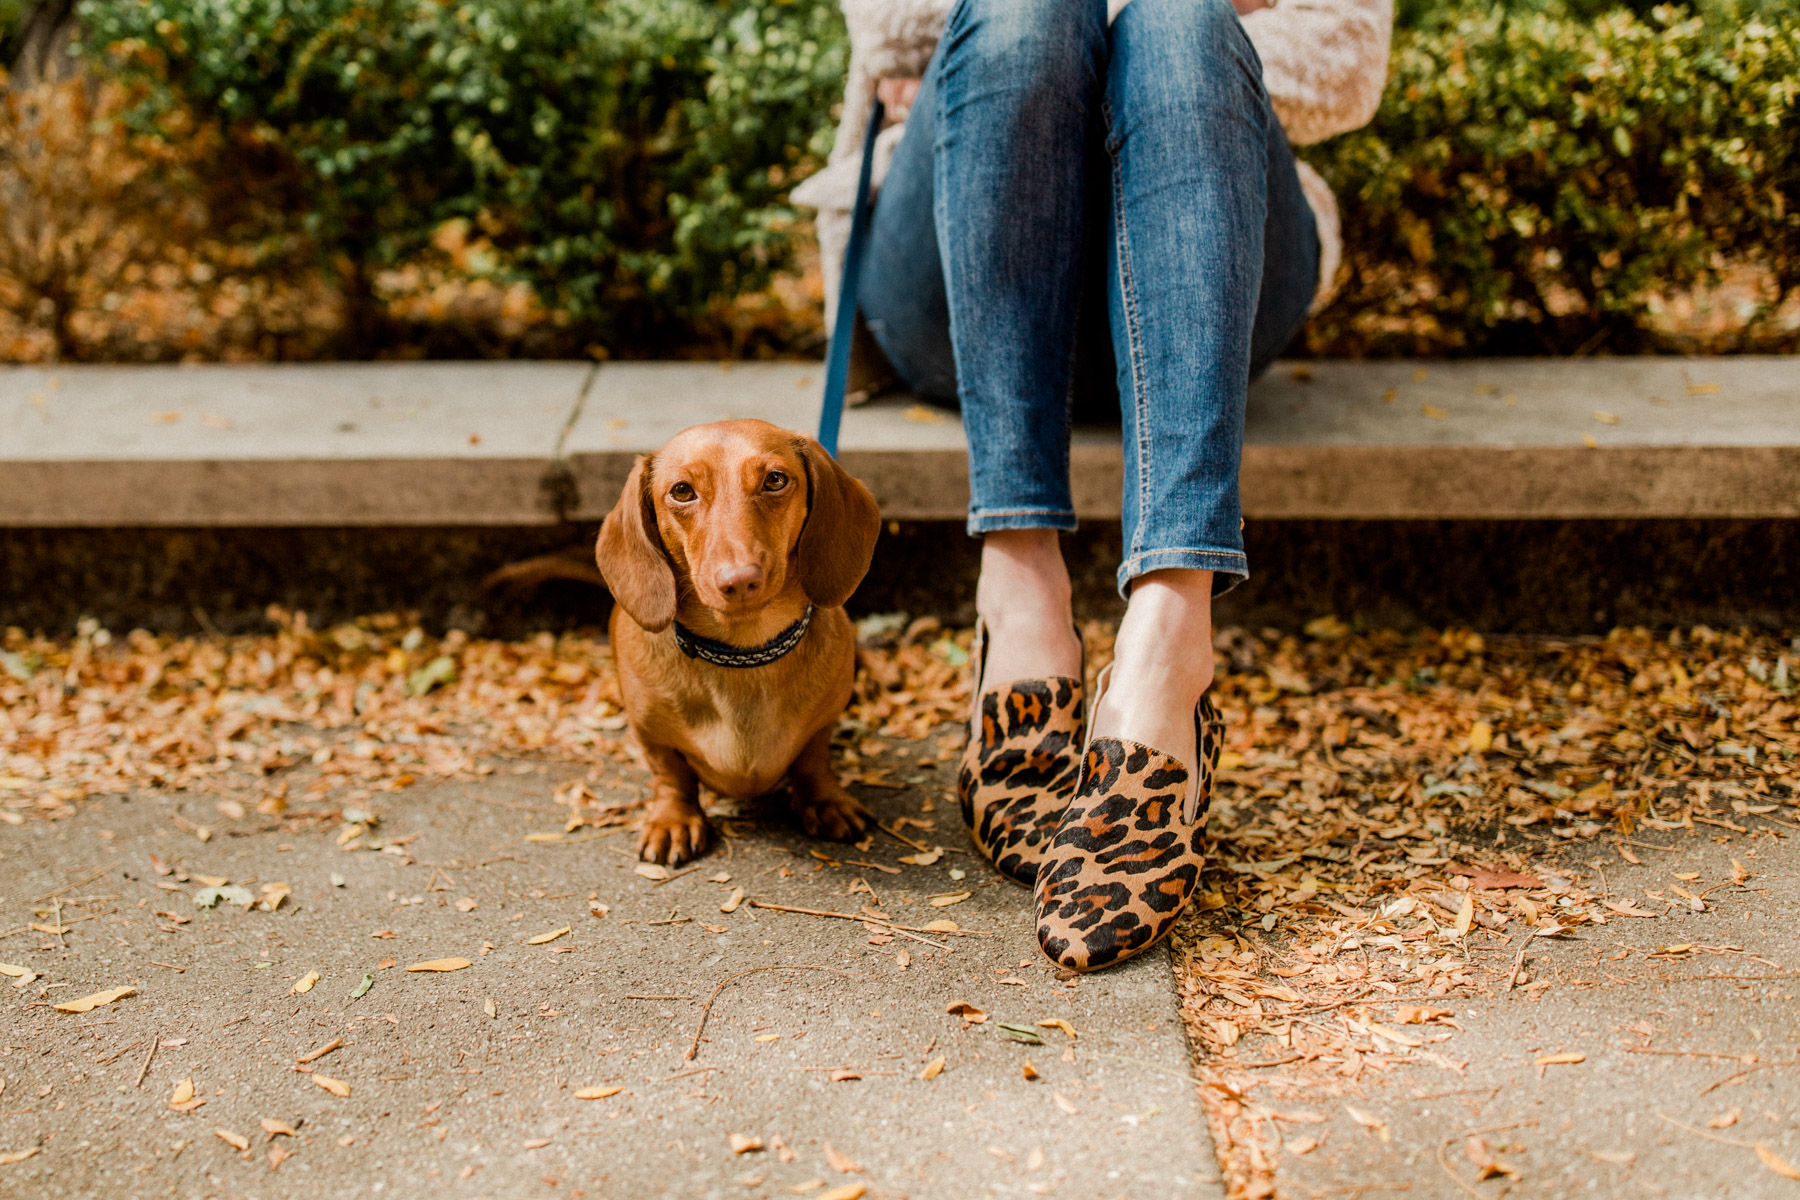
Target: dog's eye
[774, 481]
[682, 492]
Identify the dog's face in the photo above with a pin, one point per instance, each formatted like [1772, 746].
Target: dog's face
[734, 513]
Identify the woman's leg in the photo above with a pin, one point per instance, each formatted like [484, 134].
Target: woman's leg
[1017, 98]
[903, 300]
[1206, 213]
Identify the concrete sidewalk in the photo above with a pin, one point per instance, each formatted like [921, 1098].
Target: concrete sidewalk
[538, 443]
[466, 1083]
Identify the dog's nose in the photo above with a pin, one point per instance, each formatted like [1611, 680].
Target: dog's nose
[739, 581]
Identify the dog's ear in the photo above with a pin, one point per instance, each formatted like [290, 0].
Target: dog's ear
[842, 523]
[630, 555]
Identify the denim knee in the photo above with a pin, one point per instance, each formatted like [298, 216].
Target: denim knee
[1032, 45]
[1187, 52]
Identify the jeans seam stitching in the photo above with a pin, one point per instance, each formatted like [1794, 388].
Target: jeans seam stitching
[1128, 298]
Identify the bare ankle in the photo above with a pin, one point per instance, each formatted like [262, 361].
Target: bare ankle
[1025, 600]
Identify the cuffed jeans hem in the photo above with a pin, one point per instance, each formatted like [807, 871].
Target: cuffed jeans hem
[993, 519]
[1229, 567]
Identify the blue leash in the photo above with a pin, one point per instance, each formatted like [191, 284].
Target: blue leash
[837, 358]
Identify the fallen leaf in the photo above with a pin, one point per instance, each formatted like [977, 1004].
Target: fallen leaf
[1725, 1120]
[276, 1128]
[732, 901]
[537, 1143]
[844, 1075]
[90, 1003]
[1776, 1163]
[1465, 916]
[1481, 737]
[1064, 1103]
[362, 989]
[1058, 1023]
[1303, 1145]
[652, 870]
[1567, 1056]
[209, 897]
[596, 1093]
[933, 1069]
[235, 1140]
[15, 972]
[1030, 1071]
[9, 1157]
[1369, 1121]
[304, 984]
[336, 1087]
[945, 899]
[182, 1098]
[277, 1156]
[543, 837]
[849, 1191]
[928, 858]
[457, 964]
[968, 1012]
[743, 1143]
[1021, 1033]
[843, 1164]
[941, 926]
[466, 904]
[1394, 1035]
[539, 940]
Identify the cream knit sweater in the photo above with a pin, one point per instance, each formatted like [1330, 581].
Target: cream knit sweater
[1324, 64]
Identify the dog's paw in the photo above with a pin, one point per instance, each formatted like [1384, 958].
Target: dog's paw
[839, 818]
[673, 838]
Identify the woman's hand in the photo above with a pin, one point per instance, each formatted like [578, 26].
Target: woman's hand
[898, 94]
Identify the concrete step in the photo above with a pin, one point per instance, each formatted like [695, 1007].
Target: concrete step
[536, 443]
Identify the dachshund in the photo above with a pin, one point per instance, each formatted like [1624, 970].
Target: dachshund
[729, 556]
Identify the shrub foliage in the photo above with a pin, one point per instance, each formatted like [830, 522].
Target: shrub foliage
[1542, 179]
[1543, 176]
[629, 158]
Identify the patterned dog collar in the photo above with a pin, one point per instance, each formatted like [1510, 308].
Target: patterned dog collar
[723, 654]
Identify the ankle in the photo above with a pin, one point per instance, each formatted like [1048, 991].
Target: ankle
[1162, 663]
[1023, 578]
[1024, 599]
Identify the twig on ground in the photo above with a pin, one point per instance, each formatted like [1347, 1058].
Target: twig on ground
[88, 878]
[706, 1009]
[145, 1069]
[1469, 1133]
[116, 1054]
[882, 921]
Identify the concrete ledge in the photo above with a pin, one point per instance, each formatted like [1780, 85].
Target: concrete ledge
[516, 444]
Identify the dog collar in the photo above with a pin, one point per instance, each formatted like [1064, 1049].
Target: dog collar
[724, 654]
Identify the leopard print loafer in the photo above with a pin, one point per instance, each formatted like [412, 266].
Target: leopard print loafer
[1126, 858]
[1020, 765]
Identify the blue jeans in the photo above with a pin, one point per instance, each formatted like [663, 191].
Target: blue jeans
[1081, 216]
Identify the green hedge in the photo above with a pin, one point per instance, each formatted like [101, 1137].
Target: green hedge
[1540, 174]
[628, 158]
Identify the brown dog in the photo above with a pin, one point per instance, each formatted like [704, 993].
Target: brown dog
[730, 556]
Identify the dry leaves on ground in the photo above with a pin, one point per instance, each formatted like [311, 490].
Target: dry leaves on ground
[1387, 802]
